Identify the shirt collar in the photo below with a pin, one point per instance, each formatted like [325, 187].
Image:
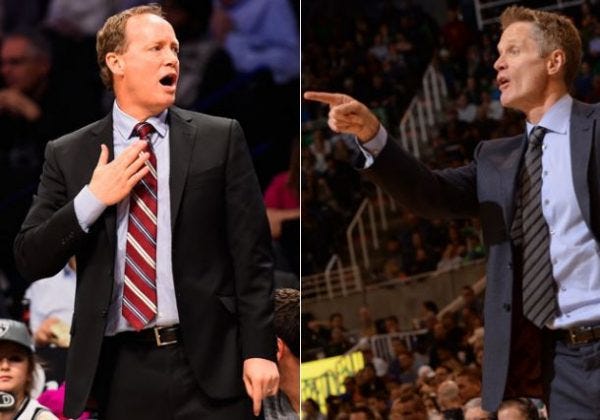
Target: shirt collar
[124, 122]
[557, 118]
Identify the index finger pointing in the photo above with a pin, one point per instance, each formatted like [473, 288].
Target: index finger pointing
[328, 98]
[256, 400]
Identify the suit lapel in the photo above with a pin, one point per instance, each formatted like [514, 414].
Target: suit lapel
[581, 145]
[181, 144]
[508, 169]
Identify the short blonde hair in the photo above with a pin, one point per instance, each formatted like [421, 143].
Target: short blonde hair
[111, 37]
[551, 31]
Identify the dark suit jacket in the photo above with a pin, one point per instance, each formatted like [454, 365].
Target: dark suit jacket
[222, 265]
[487, 188]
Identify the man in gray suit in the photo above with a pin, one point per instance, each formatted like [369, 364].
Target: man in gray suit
[538, 196]
[161, 206]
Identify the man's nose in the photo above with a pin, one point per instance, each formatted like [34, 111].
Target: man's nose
[499, 64]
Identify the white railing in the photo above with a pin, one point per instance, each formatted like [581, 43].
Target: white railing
[423, 112]
[481, 6]
[336, 281]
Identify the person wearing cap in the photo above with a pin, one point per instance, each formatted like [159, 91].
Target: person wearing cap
[18, 375]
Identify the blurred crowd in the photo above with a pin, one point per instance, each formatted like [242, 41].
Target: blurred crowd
[427, 376]
[377, 53]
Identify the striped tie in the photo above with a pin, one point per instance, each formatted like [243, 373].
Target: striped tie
[139, 290]
[539, 289]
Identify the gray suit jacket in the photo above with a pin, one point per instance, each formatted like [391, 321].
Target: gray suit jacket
[486, 188]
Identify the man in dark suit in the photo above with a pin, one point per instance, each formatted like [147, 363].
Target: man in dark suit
[173, 316]
[538, 196]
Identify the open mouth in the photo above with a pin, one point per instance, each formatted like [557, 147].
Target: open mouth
[168, 80]
[502, 82]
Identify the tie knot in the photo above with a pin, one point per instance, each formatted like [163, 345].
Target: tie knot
[143, 130]
[537, 134]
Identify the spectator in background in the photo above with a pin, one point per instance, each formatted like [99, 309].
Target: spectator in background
[286, 404]
[367, 325]
[408, 406]
[204, 66]
[473, 411]
[469, 384]
[320, 149]
[363, 413]
[403, 369]
[19, 374]
[449, 401]
[337, 344]
[51, 303]
[34, 109]
[257, 34]
[282, 200]
[311, 410]
[518, 409]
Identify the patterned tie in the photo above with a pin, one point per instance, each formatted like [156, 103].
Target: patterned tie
[539, 289]
[139, 290]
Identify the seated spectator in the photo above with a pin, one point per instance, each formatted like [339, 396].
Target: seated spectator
[408, 406]
[368, 382]
[282, 201]
[314, 334]
[378, 405]
[518, 409]
[336, 320]
[449, 401]
[258, 34]
[469, 384]
[470, 299]
[338, 344]
[442, 373]
[403, 368]
[473, 411]
[286, 404]
[362, 413]
[17, 367]
[367, 325]
[311, 410]
[391, 324]
[51, 303]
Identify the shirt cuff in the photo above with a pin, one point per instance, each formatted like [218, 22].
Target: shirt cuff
[373, 147]
[87, 208]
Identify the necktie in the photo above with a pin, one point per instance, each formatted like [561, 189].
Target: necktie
[539, 294]
[139, 289]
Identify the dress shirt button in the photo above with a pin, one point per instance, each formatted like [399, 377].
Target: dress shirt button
[546, 201]
[544, 146]
[545, 173]
[551, 231]
[563, 288]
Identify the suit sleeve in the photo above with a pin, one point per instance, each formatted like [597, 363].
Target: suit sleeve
[50, 233]
[449, 193]
[250, 246]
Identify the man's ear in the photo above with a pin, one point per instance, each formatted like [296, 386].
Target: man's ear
[115, 63]
[281, 348]
[556, 62]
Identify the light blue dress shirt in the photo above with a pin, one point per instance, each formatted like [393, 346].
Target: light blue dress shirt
[88, 208]
[574, 252]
